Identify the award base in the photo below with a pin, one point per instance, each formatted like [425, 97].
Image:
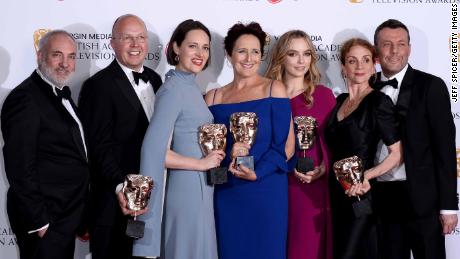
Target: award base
[135, 228]
[362, 207]
[216, 175]
[247, 161]
[304, 165]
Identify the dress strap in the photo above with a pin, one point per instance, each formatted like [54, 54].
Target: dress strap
[270, 93]
[214, 96]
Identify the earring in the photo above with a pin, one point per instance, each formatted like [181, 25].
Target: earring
[176, 58]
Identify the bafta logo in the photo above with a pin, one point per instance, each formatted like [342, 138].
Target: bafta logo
[38, 34]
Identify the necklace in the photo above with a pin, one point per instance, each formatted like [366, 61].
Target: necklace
[350, 105]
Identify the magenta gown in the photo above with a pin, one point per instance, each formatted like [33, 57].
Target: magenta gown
[309, 222]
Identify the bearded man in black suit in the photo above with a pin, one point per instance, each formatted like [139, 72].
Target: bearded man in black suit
[416, 203]
[116, 105]
[45, 154]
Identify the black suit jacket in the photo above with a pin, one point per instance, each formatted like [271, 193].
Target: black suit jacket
[115, 124]
[45, 161]
[428, 139]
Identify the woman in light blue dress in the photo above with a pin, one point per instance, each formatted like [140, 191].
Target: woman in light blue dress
[180, 219]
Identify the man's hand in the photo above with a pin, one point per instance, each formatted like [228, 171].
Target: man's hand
[124, 206]
[448, 222]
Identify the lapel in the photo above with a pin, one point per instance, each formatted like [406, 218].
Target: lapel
[57, 103]
[402, 105]
[126, 88]
[153, 79]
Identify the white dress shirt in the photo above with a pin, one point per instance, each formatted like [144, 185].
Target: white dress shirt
[144, 91]
[397, 173]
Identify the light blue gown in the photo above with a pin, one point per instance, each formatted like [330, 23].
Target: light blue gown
[186, 229]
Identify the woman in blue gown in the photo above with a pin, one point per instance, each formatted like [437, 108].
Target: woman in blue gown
[251, 208]
[182, 227]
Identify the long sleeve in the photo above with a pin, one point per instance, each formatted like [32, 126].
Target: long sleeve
[153, 152]
[20, 127]
[274, 159]
[97, 118]
[442, 131]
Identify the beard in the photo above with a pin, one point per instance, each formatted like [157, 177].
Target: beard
[51, 75]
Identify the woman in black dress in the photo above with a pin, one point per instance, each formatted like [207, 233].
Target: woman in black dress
[360, 119]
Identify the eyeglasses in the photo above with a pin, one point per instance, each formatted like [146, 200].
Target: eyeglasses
[130, 38]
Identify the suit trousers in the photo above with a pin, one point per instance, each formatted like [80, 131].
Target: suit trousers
[400, 231]
[52, 245]
[111, 242]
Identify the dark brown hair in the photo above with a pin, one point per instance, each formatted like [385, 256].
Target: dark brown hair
[179, 35]
[392, 24]
[239, 29]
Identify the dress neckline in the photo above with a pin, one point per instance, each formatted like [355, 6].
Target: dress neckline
[354, 111]
[250, 101]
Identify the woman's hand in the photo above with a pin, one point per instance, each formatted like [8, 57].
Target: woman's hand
[212, 160]
[242, 171]
[311, 175]
[239, 149]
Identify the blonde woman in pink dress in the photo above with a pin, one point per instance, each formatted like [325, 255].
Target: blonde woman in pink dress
[293, 61]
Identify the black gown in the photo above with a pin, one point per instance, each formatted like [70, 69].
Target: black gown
[357, 134]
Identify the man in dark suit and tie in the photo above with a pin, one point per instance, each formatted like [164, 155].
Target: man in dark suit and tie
[417, 202]
[45, 154]
[116, 105]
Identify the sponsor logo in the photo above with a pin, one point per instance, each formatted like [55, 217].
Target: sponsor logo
[458, 162]
[96, 46]
[456, 115]
[427, 2]
[7, 237]
[38, 34]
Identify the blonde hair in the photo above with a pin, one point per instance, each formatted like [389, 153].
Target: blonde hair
[276, 68]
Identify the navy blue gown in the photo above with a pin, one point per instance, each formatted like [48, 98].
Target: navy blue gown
[251, 216]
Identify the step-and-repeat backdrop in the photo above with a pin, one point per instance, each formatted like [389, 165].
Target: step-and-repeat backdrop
[432, 23]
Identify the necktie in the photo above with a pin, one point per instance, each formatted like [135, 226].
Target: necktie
[64, 93]
[380, 84]
[142, 76]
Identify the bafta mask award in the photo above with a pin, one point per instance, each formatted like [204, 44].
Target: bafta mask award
[350, 171]
[214, 137]
[137, 189]
[305, 129]
[243, 126]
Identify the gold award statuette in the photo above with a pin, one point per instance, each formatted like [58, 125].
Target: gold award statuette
[350, 171]
[213, 137]
[243, 126]
[137, 189]
[305, 128]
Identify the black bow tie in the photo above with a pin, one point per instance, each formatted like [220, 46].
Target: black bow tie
[142, 76]
[380, 84]
[64, 93]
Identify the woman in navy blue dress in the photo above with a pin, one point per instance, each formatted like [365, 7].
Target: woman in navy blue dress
[251, 208]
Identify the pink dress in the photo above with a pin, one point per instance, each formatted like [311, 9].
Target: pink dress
[309, 229]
